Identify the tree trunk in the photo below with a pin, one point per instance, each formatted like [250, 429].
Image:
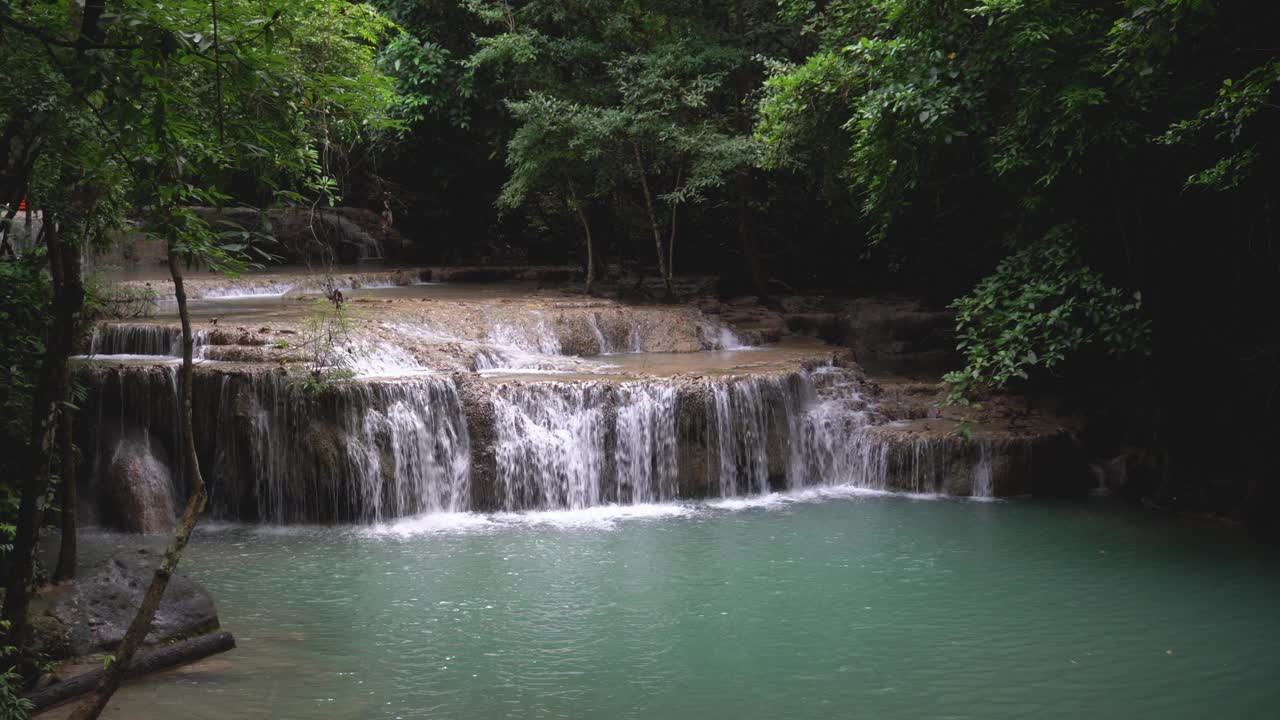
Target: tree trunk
[750, 246]
[48, 404]
[6, 229]
[52, 385]
[67, 497]
[164, 658]
[752, 268]
[586, 231]
[141, 623]
[671, 240]
[653, 220]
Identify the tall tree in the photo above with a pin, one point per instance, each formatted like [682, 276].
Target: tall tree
[187, 99]
[642, 104]
[1086, 150]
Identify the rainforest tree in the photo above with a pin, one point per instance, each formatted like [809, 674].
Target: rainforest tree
[168, 106]
[1121, 154]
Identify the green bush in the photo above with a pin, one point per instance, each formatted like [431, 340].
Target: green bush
[1041, 307]
[12, 705]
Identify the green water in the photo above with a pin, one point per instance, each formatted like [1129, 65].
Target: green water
[872, 607]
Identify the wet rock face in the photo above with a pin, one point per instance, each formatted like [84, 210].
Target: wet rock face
[93, 614]
[482, 432]
[886, 335]
[140, 488]
[932, 456]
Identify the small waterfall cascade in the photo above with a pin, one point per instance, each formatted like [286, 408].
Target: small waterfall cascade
[593, 322]
[534, 339]
[512, 347]
[383, 360]
[145, 339]
[376, 449]
[573, 445]
[619, 334]
[715, 336]
[273, 452]
[834, 448]
[743, 414]
[647, 446]
[982, 473]
[550, 444]
[245, 290]
[365, 451]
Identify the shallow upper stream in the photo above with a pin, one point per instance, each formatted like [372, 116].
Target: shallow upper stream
[826, 604]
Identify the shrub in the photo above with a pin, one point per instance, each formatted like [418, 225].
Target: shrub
[1040, 307]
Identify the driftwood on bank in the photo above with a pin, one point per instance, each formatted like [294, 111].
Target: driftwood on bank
[155, 661]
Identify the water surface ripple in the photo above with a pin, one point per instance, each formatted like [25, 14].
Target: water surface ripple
[783, 607]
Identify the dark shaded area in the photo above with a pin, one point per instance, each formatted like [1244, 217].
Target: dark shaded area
[1195, 420]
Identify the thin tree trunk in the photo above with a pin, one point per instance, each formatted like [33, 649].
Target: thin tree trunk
[67, 477]
[51, 391]
[6, 229]
[586, 231]
[653, 219]
[164, 658]
[747, 240]
[141, 624]
[51, 387]
[671, 241]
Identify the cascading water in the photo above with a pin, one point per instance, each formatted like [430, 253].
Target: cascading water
[510, 347]
[572, 445]
[646, 443]
[743, 410]
[374, 450]
[251, 290]
[593, 322]
[143, 339]
[273, 452]
[982, 474]
[365, 451]
[550, 444]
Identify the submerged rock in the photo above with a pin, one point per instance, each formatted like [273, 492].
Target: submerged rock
[92, 615]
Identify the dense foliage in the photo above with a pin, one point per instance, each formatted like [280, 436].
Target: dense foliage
[1040, 309]
[1090, 184]
[136, 113]
[1108, 166]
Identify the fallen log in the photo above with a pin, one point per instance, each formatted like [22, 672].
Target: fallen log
[179, 653]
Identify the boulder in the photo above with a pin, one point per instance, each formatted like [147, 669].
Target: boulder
[91, 615]
[140, 488]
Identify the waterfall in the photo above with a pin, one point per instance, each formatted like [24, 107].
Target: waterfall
[142, 339]
[646, 443]
[982, 473]
[373, 450]
[834, 448]
[550, 444]
[593, 322]
[714, 336]
[742, 411]
[365, 451]
[572, 445]
[274, 452]
[512, 347]
[233, 291]
[538, 339]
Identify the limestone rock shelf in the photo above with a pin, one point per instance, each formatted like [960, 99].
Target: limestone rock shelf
[474, 397]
